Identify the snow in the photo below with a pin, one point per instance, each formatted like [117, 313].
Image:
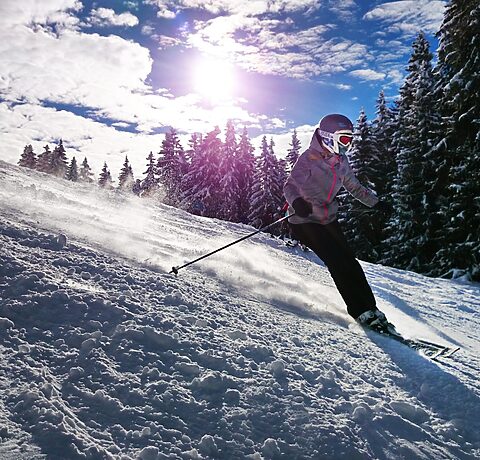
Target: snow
[248, 354]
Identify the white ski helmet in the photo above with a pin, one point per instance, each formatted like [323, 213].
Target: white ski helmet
[335, 133]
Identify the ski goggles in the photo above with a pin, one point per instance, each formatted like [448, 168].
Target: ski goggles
[343, 137]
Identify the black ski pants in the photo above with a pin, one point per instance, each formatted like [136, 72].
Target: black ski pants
[330, 244]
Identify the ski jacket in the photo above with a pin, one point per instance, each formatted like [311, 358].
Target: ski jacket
[317, 177]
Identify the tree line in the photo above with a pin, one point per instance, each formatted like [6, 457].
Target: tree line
[421, 152]
[212, 178]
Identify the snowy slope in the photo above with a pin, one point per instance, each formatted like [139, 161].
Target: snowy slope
[248, 354]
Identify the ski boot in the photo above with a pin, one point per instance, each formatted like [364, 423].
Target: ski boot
[377, 321]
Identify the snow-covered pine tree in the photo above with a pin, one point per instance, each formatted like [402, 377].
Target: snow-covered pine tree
[264, 200]
[459, 101]
[382, 129]
[58, 160]
[105, 178]
[229, 181]
[44, 160]
[72, 171]
[279, 177]
[125, 178]
[363, 229]
[283, 170]
[171, 166]
[150, 181]
[408, 240]
[85, 174]
[245, 170]
[194, 144]
[28, 158]
[294, 151]
[203, 195]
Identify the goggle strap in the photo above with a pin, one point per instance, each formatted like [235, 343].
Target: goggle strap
[325, 134]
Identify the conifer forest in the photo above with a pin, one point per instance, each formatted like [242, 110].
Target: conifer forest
[421, 152]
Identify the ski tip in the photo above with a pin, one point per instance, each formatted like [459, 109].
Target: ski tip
[451, 351]
[445, 352]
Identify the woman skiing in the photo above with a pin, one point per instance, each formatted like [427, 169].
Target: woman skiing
[315, 180]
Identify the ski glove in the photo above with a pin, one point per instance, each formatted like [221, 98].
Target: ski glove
[384, 207]
[302, 208]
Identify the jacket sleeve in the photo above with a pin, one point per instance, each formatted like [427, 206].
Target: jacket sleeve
[293, 186]
[357, 190]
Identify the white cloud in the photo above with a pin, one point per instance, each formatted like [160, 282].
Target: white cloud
[343, 86]
[246, 35]
[368, 74]
[170, 8]
[396, 76]
[148, 30]
[15, 12]
[409, 16]
[74, 68]
[107, 17]
[133, 5]
[274, 47]
[165, 41]
[23, 124]
[346, 10]
[104, 74]
[27, 123]
[282, 141]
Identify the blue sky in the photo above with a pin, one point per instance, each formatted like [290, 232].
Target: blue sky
[110, 76]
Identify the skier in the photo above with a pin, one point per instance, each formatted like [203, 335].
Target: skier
[310, 190]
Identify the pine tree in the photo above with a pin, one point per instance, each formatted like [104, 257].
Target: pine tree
[72, 171]
[204, 193]
[58, 160]
[44, 160]
[293, 151]
[245, 172]
[126, 179]
[279, 177]
[264, 200]
[382, 130]
[85, 174]
[282, 176]
[150, 182]
[194, 144]
[105, 178]
[363, 230]
[229, 182]
[409, 240]
[171, 167]
[28, 158]
[458, 149]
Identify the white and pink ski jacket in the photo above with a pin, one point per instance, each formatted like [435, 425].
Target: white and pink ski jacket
[317, 178]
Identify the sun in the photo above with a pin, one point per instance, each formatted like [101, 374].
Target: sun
[214, 80]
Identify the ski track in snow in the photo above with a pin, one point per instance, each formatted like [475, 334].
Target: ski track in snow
[246, 355]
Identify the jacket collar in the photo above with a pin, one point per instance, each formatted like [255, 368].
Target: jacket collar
[317, 151]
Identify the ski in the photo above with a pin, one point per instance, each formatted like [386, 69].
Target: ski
[433, 350]
[427, 348]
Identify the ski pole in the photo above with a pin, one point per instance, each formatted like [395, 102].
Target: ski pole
[176, 269]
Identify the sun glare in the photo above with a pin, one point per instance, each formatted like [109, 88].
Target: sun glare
[214, 80]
